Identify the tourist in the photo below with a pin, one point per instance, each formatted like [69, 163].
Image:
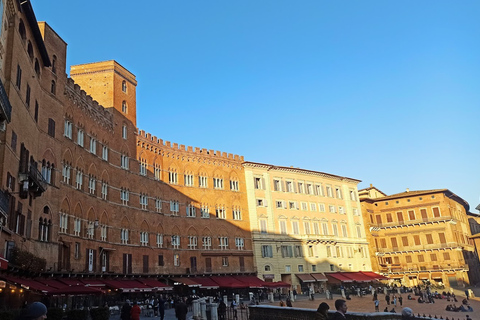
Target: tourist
[35, 311]
[135, 312]
[289, 302]
[125, 313]
[282, 303]
[161, 308]
[341, 306]
[387, 298]
[400, 300]
[222, 310]
[322, 311]
[181, 310]
[377, 304]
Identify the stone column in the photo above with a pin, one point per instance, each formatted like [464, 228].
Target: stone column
[203, 310]
[196, 309]
[214, 311]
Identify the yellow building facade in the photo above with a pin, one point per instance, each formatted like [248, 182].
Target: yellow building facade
[304, 222]
[419, 236]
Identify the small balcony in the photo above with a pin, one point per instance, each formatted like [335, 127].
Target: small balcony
[33, 182]
[5, 106]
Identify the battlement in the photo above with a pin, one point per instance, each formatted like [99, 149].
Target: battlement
[147, 137]
[91, 107]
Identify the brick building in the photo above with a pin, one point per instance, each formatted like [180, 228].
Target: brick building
[85, 189]
[420, 236]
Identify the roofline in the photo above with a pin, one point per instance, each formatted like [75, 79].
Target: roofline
[37, 35]
[298, 170]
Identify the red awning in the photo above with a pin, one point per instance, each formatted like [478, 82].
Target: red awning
[305, 277]
[228, 282]
[319, 277]
[251, 281]
[93, 283]
[187, 281]
[154, 283]
[55, 284]
[71, 281]
[127, 285]
[357, 276]
[337, 276]
[374, 275]
[278, 284]
[206, 283]
[28, 284]
[75, 290]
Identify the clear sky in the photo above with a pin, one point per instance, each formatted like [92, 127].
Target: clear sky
[387, 92]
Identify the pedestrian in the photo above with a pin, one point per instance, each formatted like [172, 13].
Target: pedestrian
[34, 311]
[395, 300]
[181, 310]
[125, 312]
[222, 310]
[282, 304]
[341, 307]
[234, 308]
[322, 311]
[161, 308]
[400, 300]
[135, 312]
[294, 294]
[289, 302]
[387, 298]
[377, 304]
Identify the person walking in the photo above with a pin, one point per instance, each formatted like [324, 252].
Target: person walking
[289, 302]
[161, 308]
[34, 311]
[341, 307]
[322, 311]
[135, 312]
[222, 310]
[181, 310]
[125, 312]
[400, 300]
[387, 298]
[377, 304]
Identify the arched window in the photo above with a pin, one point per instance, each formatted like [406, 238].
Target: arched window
[44, 226]
[53, 87]
[30, 50]
[21, 30]
[124, 106]
[37, 67]
[54, 64]
[124, 86]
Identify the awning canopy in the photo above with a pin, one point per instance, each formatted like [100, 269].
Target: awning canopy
[305, 277]
[187, 281]
[319, 276]
[228, 282]
[423, 276]
[75, 290]
[357, 276]
[206, 283]
[55, 284]
[127, 285]
[436, 275]
[338, 277]
[278, 284]
[374, 275]
[94, 283]
[155, 284]
[71, 281]
[396, 276]
[29, 284]
[251, 281]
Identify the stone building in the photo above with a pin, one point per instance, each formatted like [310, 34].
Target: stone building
[420, 236]
[304, 223]
[85, 189]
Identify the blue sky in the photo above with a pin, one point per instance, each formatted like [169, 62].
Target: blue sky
[386, 92]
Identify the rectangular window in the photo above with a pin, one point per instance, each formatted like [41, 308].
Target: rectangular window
[63, 222]
[341, 210]
[144, 238]
[217, 183]
[329, 191]
[143, 202]
[344, 231]
[68, 129]
[287, 251]
[411, 214]
[157, 172]
[259, 202]
[19, 77]
[416, 240]
[316, 228]
[240, 243]
[104, 190]
[283, 227]
[309, 188]
[174, 207]
[446, 256]
[279, 204]
[289, 186]
[421, 258]
[172, 177]
[306, 226]
[176, 260]
[220, 213]
[433, 257]
[313, 207]
[325, 228]
[124, 196]
[191, 211]
[263, 226]
[389, 217]
[207, 243]
[124, 132]
[436, 212]
[192, 242]
[80, 137]
[51, 127]
[304, 206]
[124, 236]
[27, 96]
[103, 233]
[158, 205]
[234, 185]
[321, 207]
[292, 205]
[91, 185]
[277, 185]
[429, 238]
[300, 268]
[237, 214]
[301, 188]
[143, 167]
[223, 243]
[258, 183]
[338, 192]
[188, 180]
[93, 145]
[288, 268]
[353, 195]
[319, 190]
[204, 211]
[79, 180]
[267, 251]
[77, 227]
[408, 259]
[331, 209]
[203, 181]
[66, 173]
[175, 242]
[76, 253]
[225, 261]
[295, 227]
[405, 241]
[298, 251]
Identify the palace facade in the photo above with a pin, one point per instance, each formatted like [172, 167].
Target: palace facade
[420, 236]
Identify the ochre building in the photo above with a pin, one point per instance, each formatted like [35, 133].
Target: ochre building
[420, 236]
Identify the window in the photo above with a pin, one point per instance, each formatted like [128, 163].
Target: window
[429, 238]
[104, 190]
[80, 137]
[188, 180]
[277, 185]
[353, 195]
[105, 153]
[66, 173]
[51, 127]
[316, 228]
[283, 226]
[304, 206]
[240, 243]
[436, 212]
[234, 185]
[124, 132]
[341, 210]
[172, 177]
[223, 243]
[18, 83]
[289, 186]
[220, 212]
[176, 260]
[161, 262]
[124, 86]
[77, 226]
[54, 64]
[292, 205]
[300, 268]
[191, 211]
[76, 253]
[329, 192]
[103, 233]
[295, 227]
[258, 183]
[144, 238]
[309, 188]
[325, 228]
[47, 171]
[335, 229]
[91, 185]
[411, 214]
[53, 87]
[124, 196]
[159, 240]
[207, 243]
[389, 217]
[356, 212]
[174, 207]
[68, 129]
[260, 202]
[13, 142]
[175, 241]
[280, 204]
[124, 236]
[267, 251]
[263, 226]
[298, 251]
[287, 251]
[306, 226]
[124, 106]
[225, 261]
[331, 209]
[204, 211]
[27, 96]
[202, 181]
[217, 183]
[157, 172]
[338, 192]
[124, 162]
[433, 257]
[359, 232]
[310, 252]
[158, 205]
[319, 190]
[143, 166]
[143, 201]
[192, 242]
[446, 256]
[405, 241]
[416, 240]
[79, 180]
[44, 229]
[93, 145]
[237, 214]
[63, 224]
[313, 207]
[344, 231]
[288, 268]
[421, 258]
[321, 207]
